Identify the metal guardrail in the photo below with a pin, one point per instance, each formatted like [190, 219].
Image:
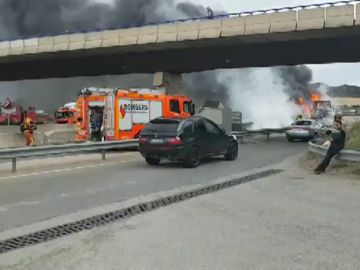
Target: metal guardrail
[67, 149]
[266, 131]
[348, 155]
[220, 16]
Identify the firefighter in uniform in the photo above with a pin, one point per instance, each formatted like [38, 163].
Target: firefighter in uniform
[28, 128]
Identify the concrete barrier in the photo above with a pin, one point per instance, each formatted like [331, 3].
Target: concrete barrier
[283, 22]
[210, 29]
[111, 38]
[340, 16]
[51, 134]
[60, 136]
[257, 24]
[13, 140]
[93, 40]
[233, 27]
[61, 43]
[31, 45]
[311, 19]
[45, 44]
[76, 41]
[4, 48]
[129, 36]
[167, 32]
[188, 31]
[16, 47]
[357, 14]
[148, 34]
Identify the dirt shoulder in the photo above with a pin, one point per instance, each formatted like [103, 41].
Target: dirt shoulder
[348, 169]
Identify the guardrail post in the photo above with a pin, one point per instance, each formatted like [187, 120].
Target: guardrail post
[103, 154]
[13, 165]
[242, 139]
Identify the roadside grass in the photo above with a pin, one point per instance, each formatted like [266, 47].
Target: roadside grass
[353, 137]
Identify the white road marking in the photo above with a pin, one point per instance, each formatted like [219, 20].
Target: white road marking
[130, 182]
[32, 160]
[67, 169]
[7, 207]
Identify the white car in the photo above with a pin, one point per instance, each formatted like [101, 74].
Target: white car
[305, 130]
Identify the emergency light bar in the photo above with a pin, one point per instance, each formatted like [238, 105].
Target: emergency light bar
[97, 90]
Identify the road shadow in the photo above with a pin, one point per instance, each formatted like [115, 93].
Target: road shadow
[179, 165]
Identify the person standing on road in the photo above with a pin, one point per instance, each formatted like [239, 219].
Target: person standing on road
[338, 138]
[28, 128]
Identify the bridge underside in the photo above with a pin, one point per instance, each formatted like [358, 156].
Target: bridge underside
[291, 48]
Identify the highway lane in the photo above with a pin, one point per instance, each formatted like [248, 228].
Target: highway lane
[39, 196]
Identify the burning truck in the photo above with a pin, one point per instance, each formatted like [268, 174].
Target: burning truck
[314, 107]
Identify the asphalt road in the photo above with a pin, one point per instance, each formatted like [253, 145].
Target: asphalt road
[36, 197]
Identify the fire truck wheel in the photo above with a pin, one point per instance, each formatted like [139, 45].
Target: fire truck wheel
[152, 161]
[192, 159]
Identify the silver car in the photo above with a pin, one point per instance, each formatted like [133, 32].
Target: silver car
[305, 130]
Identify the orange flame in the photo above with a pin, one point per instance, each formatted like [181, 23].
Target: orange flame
[315, 97]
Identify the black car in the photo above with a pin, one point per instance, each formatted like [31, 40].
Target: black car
[185, 140]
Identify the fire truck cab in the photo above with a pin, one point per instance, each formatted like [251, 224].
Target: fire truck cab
[66, 114]
[124, 113]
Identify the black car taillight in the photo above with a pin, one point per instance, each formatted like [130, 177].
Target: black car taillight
[174, 141]
[142, 140]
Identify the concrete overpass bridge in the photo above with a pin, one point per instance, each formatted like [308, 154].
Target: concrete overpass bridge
[308, 34]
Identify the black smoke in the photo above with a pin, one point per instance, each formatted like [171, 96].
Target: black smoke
[296, 80]
[22, 18]
[204, 86]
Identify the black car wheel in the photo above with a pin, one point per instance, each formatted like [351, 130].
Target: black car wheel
[290, 139]
[232, 152]
[192, 159]
[152, 161]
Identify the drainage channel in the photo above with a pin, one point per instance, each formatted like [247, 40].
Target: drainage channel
[110, 217]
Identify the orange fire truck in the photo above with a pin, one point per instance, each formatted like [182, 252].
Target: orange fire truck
[124, 113]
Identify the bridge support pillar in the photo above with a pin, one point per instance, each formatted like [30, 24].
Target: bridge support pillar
[169, 83]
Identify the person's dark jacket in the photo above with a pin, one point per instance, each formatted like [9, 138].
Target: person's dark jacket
[339, 138]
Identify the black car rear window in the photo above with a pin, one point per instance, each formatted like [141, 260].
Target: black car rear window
[164, 126]
[303, 123]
